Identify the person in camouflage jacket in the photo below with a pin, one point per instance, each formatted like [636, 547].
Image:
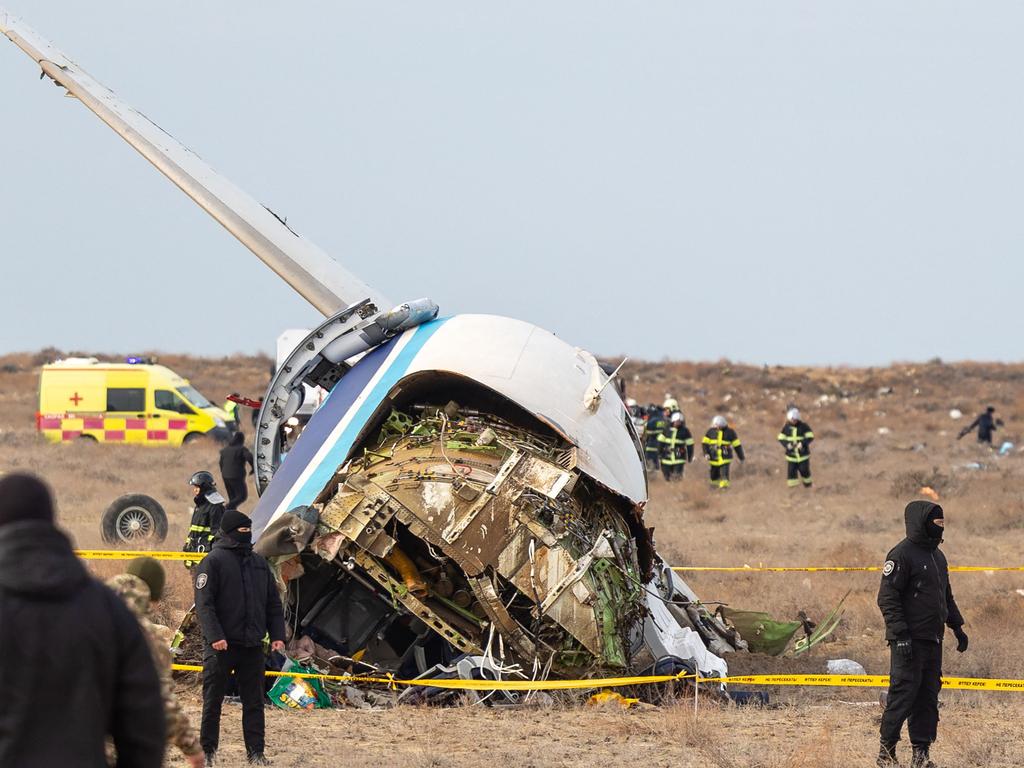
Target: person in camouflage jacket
[139, 596]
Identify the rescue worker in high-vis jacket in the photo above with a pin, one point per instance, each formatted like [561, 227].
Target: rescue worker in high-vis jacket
[636, 415]
[676, 447]
[917, 604]
[796, 437]
[231, 409]
[206, 514]
[720, 443]
[657, 423]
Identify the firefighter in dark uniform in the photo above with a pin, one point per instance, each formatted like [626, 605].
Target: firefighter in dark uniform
[917, 604]
[657, 423]
[676, 448]
[206, 514]
[720, 443]
[986, 424]
[796, 437]
[238, 606]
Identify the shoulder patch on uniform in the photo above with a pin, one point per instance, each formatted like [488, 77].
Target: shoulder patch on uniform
[201, 580]
[888, 568]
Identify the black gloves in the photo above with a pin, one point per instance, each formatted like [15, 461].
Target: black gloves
[905, 648]
[961, 639]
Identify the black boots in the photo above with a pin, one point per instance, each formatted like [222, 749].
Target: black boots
[920, 758]
[887, 756]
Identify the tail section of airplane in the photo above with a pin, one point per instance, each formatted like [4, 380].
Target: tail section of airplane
[310, 271]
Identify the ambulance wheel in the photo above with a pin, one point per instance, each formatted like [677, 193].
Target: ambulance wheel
[134, 519]
[193, 438]
[87, 440]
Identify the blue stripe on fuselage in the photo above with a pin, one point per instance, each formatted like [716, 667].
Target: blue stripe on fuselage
[324, 421]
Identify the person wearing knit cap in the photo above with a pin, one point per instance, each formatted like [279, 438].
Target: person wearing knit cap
[237, 604]
[94, 655]
[141, 586]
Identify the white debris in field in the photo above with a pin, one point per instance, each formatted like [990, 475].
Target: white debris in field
[845, 667]
[956, 413]
[883, 430]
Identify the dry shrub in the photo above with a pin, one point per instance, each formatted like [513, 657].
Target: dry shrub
[908, 484]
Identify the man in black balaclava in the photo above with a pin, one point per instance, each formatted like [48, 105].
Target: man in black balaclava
[238, 605]
[917, 604]
[75, 668]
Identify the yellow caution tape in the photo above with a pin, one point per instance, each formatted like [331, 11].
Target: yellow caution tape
[119, 554]
[836, 681]
[477, 685]
[813, 568]
[873, 681]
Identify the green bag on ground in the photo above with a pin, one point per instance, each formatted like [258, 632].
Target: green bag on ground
[299, 692]
[762, 633]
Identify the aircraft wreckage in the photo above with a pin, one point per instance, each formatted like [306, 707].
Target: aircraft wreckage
[470, 496]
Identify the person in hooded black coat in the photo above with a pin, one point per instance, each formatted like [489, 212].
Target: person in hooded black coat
[237, 605]
[234, 457]
[75, 668]
[917, 603]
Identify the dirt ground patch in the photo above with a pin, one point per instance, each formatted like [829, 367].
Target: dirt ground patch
[880, 431]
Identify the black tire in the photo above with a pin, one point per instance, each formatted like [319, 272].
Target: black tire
[134, 519]
[87, 440]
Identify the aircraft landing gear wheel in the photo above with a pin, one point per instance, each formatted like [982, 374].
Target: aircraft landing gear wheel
[134, 519]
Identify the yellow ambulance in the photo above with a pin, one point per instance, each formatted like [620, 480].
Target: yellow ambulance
[132, 402]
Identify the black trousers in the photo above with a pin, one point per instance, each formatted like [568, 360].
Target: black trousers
[672, 471]
[914, 694]
[797, 472]
[720, 475]
[248, 666]
[238, 491]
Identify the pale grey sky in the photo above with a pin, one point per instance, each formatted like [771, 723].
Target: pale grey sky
[786, 182]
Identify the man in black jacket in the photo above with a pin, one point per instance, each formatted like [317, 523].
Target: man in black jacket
[986, 424]
[917, 604]
[233, 460]
[75, 668]
[238, 606]
[206, 514]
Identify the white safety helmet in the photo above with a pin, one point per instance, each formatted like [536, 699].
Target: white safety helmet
[793, 414]
[719, 422]
[678, 416]
[630, 402]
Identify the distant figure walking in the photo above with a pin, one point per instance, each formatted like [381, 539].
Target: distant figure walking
[720, 443]
[657, 423]
[234, 457]
[676, 448]
[796, 437]
[986, 424]
[75, 668]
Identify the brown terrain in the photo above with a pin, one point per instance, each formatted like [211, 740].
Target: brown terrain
[882, 434]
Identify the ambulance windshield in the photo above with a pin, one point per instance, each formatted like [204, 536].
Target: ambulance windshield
[192, 395]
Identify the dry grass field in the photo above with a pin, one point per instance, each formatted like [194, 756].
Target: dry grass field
[881, 434]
